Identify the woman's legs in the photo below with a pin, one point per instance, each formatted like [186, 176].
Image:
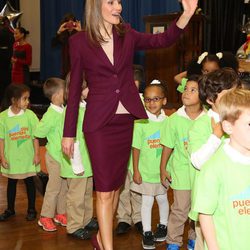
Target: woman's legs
[106, 203]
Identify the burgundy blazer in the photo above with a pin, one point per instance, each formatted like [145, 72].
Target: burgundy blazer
[108, 83]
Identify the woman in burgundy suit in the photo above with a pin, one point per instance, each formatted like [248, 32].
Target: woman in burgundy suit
[104, 51]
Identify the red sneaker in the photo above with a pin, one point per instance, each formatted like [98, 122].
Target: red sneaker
[47, 224]
[61, 219]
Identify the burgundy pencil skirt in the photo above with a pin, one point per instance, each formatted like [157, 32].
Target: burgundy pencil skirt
[109, 151]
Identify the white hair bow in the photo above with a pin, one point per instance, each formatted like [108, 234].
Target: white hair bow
[201, 57]
[219, 55]
[155, 81]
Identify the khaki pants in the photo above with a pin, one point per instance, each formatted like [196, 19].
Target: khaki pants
[129, 206]
[178, 216]
[199, 243]
[54, 201]
[79, 203]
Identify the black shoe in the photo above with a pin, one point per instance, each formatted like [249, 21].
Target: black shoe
[6, 214]
[92, 225]
[161, 233]
[139, 227]
[81, 234]
[31, 215]
[148, 240]
[122, 228]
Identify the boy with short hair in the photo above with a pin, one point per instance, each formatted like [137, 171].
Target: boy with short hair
[223, 206]
[54, 202]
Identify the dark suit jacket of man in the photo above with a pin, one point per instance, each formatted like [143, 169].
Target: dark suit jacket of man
[108, 83]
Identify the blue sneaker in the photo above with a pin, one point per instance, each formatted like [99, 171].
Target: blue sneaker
[191, 244]
[173, 247]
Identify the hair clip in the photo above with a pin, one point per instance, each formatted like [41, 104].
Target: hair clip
[219, 55]
[155, 81]
[201, 57]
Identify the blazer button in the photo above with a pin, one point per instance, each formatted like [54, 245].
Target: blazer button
[115, 75]
[117, 91]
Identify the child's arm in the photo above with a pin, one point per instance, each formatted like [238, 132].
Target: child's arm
[136, 176]
[166, 152]
[3, 160]
[199, 157]
[179, 77]
[37, 158]
[208, 229]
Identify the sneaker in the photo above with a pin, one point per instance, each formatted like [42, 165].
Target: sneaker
[139, 227]
[92, 225]
[6, 214]
[161, 233]
[122, 228]
[173, 247]
[191, 244]
[31, 215]
[47, 224]
[61, 219]
[148, 240]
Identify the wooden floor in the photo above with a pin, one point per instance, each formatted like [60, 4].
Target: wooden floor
[17, 233]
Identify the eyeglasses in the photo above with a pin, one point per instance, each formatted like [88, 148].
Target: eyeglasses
[191, 90]
[155, 99]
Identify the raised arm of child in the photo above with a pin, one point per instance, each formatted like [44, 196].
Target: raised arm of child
[137, 175]
[3, 160]
[208, 229]
[179, 77]
[166, 152]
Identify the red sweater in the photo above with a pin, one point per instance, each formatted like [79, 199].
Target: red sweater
[20, 69]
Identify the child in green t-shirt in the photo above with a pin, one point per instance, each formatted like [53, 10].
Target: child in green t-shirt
[54, 201]
[174, 138]
[78, 172]
[206, 135]
[222, 198]
[19, 150]
[146, 152]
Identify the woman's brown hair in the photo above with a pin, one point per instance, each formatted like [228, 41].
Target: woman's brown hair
[93, 21]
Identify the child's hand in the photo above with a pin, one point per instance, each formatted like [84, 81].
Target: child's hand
[4, 163]
[37, 159]
[137, 177]
[217, 128]
[165, 176]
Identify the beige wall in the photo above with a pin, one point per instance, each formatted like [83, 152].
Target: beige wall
[30, 19]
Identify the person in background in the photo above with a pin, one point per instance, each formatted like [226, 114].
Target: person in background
[6, 52]
[19, 149]
[22, 57]
[68, 27]
[104, 50]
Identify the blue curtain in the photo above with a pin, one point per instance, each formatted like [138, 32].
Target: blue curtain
[53, 11]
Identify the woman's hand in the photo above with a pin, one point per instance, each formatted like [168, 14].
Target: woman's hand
[62, 28]
[189, 7]
[68, 146]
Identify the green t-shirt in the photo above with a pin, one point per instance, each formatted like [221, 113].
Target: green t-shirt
[174, 135]
[49, 127]
[199, 133]
[223, 191]
[66, 169]
[146, 138]
[18, 134]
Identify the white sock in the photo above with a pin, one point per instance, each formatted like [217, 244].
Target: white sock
[146, 212]
[163, 205]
